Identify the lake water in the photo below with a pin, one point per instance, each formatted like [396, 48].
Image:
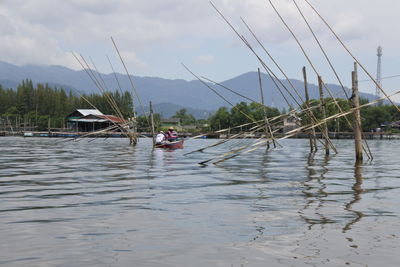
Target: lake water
[103, 203]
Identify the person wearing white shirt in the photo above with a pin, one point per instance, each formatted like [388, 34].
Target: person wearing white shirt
[160, 138]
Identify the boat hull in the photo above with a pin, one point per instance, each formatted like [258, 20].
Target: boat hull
[171, 145]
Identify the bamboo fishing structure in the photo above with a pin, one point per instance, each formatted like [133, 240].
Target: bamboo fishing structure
[313, 123]
[274, 79]
[112, 103]
[129, 126]
[270, 128]
[313, 66]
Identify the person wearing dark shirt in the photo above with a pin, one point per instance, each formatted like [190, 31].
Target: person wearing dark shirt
[171, 134]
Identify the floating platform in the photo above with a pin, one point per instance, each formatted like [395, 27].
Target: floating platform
[72, 134]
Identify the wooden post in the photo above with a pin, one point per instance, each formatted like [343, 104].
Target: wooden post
[355, 101]
[152, 124]
[311, 134]
[268, 129]
[48, 126]
[36, 115]
[9, 122]
[323, 111]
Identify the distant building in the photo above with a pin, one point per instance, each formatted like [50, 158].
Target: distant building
[396, 124]
[175, 122]
[290, 123]
[88, 120]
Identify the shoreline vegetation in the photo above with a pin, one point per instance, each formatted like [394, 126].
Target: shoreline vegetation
[41, 108]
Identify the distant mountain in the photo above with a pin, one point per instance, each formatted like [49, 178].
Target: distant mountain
[8, 84]
[248, 85]
[167, 110]
[192, 95]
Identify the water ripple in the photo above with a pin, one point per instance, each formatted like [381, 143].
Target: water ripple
[106, 203]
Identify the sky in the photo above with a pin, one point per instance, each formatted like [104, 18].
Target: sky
[156, 36]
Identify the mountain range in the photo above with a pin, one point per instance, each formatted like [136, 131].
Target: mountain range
[167, 95]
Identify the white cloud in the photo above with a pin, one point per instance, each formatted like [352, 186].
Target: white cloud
[44, 31]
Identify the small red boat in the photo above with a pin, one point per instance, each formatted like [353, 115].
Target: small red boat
[171, 145]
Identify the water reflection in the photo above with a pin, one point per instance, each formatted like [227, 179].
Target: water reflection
[95, 201]
[314, 193]
[357, 191]
[262, 195]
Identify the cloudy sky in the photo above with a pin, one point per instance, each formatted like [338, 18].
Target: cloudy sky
[156, 36]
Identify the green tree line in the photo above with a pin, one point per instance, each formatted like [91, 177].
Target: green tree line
[225, 118]
[40, 103]
[372, 117]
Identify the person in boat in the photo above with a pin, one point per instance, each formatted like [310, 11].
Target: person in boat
[171, 134]
[160, 138]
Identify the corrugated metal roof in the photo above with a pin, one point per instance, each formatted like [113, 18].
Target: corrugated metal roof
[86, 112]
[98, 118]
[88, 120]
[112, 118]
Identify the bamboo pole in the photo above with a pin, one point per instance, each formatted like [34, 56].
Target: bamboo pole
[311, 134]
[351, 54]
[103, 88]
[115, 76]
[269, 71]
[130, 79]
[259, 143]
[268, 130]
[355, 100]
[366, 148]
[276, 118]
[152, 124]
[218, 94]
[309, 61]
[323, 111]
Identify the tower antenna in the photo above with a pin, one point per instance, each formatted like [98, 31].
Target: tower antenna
[379, 75]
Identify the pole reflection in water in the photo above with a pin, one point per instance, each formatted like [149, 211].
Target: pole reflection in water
[356, 198]
[106, 203]
[315, 194]
[262, 195]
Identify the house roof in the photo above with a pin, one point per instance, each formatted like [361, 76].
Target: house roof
[86, 112]
[112, 118]
[98, 118]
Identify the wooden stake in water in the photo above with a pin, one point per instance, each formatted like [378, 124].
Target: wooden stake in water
[152, 124]
[268, 130]
[323, 111]
[48, 125]
[355, 100]
[313, 142]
